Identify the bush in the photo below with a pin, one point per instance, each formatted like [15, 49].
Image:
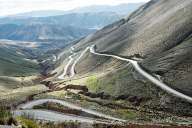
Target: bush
[27, 123]
[92, 83]
[67, 124]
[5, 115]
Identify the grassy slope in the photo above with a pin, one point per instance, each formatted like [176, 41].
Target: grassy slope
[17, 75]
[15, 96]
[13, 64]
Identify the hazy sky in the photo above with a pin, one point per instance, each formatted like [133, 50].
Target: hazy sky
[8, 7]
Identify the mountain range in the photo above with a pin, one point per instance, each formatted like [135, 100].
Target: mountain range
[134, 67]
[42, 32]
[122, 9]
[56, 29]
[83, 20]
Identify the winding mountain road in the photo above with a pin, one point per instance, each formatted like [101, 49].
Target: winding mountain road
[31, 104]
[154, 80]
[72, 71]
[48, 115]
[66, 67]
[55, 116]
[54, 58]
[138, 68]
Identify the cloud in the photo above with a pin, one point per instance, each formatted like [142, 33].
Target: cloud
[8, 7]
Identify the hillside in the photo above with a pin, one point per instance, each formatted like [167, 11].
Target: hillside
[159, 33]
[14, 61]
[134, 72]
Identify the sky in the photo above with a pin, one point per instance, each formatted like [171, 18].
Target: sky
[9, 7]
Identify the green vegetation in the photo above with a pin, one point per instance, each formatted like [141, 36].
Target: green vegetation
[50, 106]
[67, 124]
[124, 81]
[127, 114]
[63, 109]
[98, 84]
[5, 115]
[92, 83]
[27, 123]
[13, 64]
[15, 96]
[110, 107]
[30, 123]
[110, 83]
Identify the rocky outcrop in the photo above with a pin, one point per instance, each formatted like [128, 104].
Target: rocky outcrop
[48, 84]
[76, 87]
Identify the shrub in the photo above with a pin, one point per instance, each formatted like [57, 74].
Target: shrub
[92, 83]
[5, 115]
[27, 123]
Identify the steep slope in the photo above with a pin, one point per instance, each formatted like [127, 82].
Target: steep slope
[153, 22]
[160, 33]
[19, 72]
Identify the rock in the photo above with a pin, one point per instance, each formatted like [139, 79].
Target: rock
[76, 87]
[87, 93]
[105, 96]
[48, 84]
[12, 121]
[132, 98]
[122, 97]
[138, 101]
[93, 95]
[165, 100]
[100, 94]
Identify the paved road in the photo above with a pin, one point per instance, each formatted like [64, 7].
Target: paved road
[7, 126]
[157, 81]
[154, 80]
[47, 115]
[54, 58]
[31, 104]
[53, 116]
[66, 67]
[137, 67]
[72, 71]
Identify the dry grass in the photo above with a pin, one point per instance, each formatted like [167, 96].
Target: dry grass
[14, 96]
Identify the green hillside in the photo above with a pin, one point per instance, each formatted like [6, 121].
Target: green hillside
[14, 64]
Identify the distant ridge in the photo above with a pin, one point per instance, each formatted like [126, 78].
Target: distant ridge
[122, 9]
